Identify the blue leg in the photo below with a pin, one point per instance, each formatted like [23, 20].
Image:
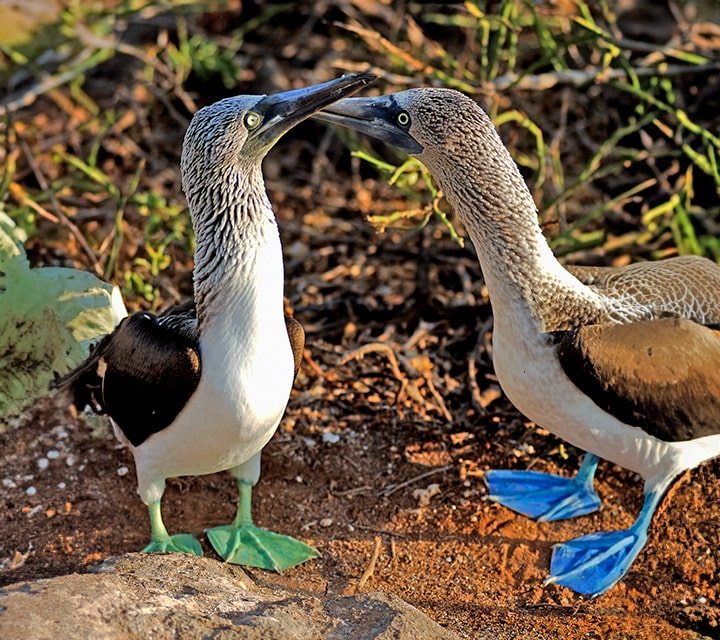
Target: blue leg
[545, 496]
[592, 564]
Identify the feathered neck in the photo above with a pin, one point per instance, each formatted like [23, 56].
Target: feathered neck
[491, 199]
[238, 256]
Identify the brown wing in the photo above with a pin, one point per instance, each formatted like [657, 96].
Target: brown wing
[296, 333]
[662, 376]
[142, 374]
[682, 287]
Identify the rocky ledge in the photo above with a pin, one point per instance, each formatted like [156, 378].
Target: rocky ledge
[176, 596]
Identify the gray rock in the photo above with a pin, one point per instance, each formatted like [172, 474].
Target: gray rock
[158, 597]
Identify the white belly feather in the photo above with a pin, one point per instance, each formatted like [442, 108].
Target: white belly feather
[247, 375]
[534, 381]
[230, 417]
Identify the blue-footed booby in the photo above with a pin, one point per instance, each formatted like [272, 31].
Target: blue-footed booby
[623, 363]
[202, 388]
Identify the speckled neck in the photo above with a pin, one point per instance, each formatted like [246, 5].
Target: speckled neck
[491, 199]
[238, 255]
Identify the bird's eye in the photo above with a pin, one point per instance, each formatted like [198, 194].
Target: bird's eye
[251, 120]
[403, 118]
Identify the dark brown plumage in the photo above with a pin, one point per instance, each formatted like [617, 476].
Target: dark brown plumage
[676, 360]
[144, 372]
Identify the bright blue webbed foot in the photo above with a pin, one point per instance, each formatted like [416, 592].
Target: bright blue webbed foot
[252, 546]
[545, 496]
[592, 564]
[243, 543]
[162, 542]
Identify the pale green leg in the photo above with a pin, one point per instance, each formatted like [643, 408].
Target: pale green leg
[245, 544]
[162, 542]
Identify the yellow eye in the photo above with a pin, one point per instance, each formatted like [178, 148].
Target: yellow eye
[251, 120]
[403, 119]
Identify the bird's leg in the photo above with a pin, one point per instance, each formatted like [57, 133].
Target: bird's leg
[245, 544]
[162, 542]
[546, 496]
[592, 564]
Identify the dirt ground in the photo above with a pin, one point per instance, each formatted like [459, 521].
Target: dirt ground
[394, 417]
[366, 462]
[359, 482]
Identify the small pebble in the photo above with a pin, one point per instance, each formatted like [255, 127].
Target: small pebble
[60, 432]
[702, 599]
[326, 522]
[53, 454]
[61, 485]
[70, 460]
[43, 463]
[330, 437]
[123, 471]
[9, 483]
[423, 496]
[31, 491]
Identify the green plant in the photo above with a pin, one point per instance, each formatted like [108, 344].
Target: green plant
[522, 48]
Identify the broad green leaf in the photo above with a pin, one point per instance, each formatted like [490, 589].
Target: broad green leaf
[49, 317]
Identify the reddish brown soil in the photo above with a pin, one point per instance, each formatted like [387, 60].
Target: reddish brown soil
[382, 451]
[359, 466]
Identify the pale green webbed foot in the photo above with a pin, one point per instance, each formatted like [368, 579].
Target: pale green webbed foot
[252, 546]
[162, 542]
[245, 544]
[179, 543]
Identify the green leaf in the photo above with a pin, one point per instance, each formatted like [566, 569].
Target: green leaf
[48, 319]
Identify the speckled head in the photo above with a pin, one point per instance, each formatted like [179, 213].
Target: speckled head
[416, 121]
[445, 129]
[236, 132]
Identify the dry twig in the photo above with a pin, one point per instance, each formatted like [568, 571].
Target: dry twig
[56, 206]
[387, 491]
[371, 565]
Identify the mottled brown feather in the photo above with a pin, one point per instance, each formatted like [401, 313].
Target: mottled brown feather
[682, 287]
[659, 375]
[296, 333]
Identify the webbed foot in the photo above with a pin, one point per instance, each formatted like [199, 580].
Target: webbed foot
[162, 542]
[592, 564]
[545, 496]
[179, 543]
[252, 546]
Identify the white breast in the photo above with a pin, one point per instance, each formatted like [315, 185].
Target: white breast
[536, 384]
[247, 375]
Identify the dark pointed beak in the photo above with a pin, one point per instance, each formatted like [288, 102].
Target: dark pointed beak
[375, 117]
[282, 111]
